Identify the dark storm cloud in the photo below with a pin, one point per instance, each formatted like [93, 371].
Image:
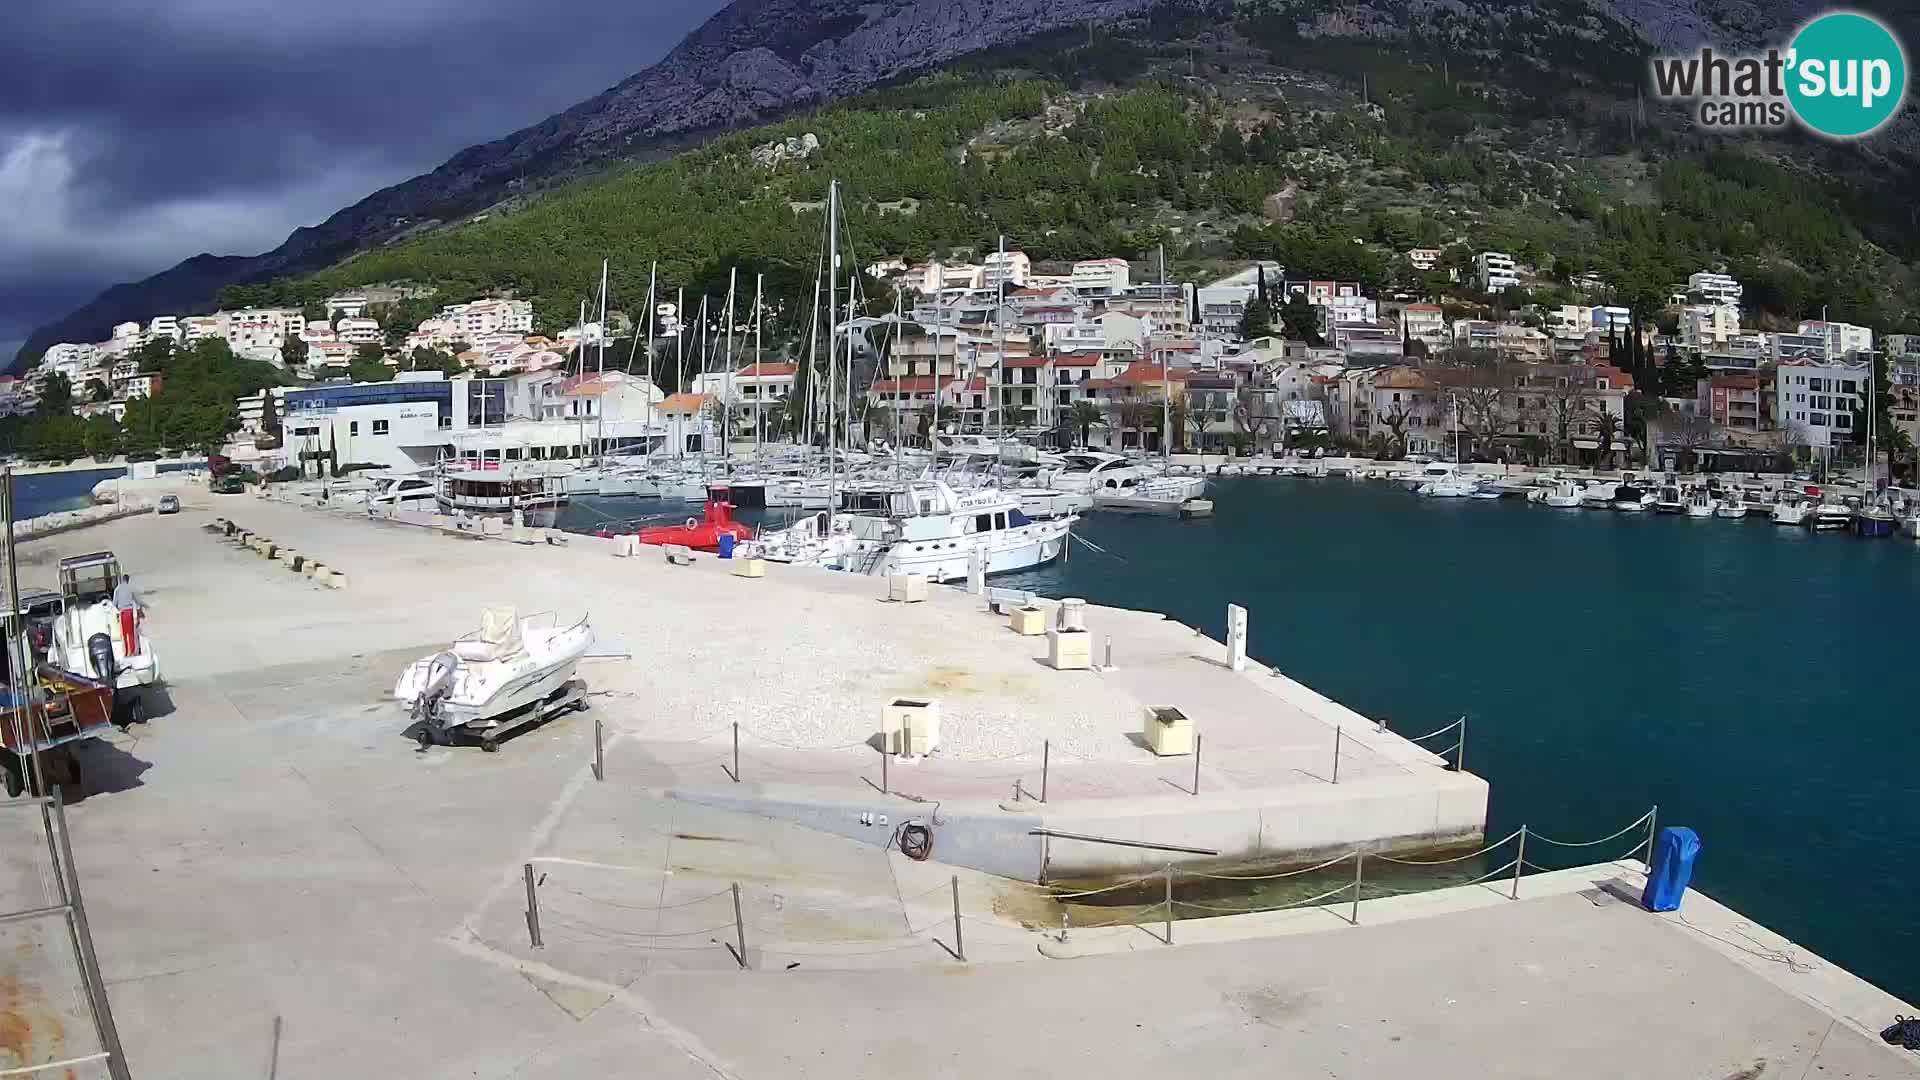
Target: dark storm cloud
[134, 134]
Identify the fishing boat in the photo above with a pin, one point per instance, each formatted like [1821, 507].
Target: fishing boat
[712, 531]
[94, 639]
[503, 675]
[1668, 499]
[1731, 505]
[1598, 495]
[1700, 503]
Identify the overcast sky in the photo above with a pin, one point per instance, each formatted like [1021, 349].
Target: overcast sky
[136, 133]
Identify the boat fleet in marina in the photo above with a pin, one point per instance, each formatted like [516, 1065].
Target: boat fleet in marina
[1790, 502]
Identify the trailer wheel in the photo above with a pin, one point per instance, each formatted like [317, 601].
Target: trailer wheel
[424, 737]
[490, 745]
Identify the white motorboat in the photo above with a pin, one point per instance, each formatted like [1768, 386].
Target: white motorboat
[1832, 516]
[627, 480]
[401, 491]
[1041, 503]
[1563, 495]
[1632, 499]
[1149, 495]
[493, 678]
[1668, 499]
[94, 638]
[1730, 506]
[1443, 480]
[1700, 503]
[1598, 495]
[927, 529]
[1790, 508]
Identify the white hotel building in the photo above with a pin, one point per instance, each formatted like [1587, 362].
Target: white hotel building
[1816, 400]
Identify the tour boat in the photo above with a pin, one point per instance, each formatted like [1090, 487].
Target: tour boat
[517, 486]
[927, 529]
[704, 533]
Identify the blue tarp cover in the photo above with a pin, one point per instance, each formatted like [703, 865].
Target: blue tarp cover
[1674, 852]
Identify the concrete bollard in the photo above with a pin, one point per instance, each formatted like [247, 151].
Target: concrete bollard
[336, 580]
[977, 572]
[314, 569]
[1236, 637]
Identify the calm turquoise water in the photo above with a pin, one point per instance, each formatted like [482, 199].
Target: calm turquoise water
[1754, 681]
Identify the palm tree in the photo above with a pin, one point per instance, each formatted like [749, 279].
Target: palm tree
[1083, 417]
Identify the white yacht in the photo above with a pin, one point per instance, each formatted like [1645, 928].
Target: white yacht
[1598, 495]
[1731, 505]
[1631, 498]
[1668, 499]
[1832, 515]
[1563, 494]
[402, 492]
[1093, 472]
[1444, 480]
[1790, 508]
[928, 529]
[1129, 494]
[1700, 502]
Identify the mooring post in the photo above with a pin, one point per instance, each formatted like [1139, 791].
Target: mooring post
[1169, 903]
[959, 943]
[1046, 759]
[1336, 753]
[1109, 664]
[1359, 868]
[739, 928]
[1653, 826]
[736, 751]
[1196, 763]
[533, 907]
[599, 751]
[1460, 749]
[1519, 861]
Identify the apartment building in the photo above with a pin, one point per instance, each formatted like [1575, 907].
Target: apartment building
[1009, 268]
[1718, 289]
[1706, 326]
[1842, 339]
[1815, 399]
[1101, 278]
[1423, 258]
[1425, 323]
[1495, 271]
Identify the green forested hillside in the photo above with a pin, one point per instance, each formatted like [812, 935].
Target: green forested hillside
[1183, 140]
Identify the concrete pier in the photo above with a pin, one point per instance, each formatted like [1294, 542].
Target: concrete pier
[280, 883]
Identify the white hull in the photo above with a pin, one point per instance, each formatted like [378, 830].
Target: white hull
[1023, 548]
[483, 691]
[1730, 510]
[1563, 502]
[1038, 503]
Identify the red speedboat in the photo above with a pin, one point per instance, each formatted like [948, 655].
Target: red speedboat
[702, 535]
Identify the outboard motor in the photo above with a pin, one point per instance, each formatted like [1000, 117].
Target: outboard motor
[436, 686]
[100, 651]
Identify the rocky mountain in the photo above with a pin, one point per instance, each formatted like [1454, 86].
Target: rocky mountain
[757, 59]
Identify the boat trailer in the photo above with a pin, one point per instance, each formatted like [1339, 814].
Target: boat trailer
[431, 729]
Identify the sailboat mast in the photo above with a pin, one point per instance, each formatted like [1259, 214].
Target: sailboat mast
[759, 400]
[846, 407]
[1166, 384]
[1000, 327]
[726, 393]
[646, 433]
[603, 317]
[833, 275]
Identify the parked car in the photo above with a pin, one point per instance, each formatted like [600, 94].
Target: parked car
[169, 504]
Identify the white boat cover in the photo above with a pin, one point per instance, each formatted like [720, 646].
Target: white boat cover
[499, 636]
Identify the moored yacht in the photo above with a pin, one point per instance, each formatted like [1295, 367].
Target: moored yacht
[1700, 503]
[1790, 508]
[517, 486]
[928, 529]
[1668, 499]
